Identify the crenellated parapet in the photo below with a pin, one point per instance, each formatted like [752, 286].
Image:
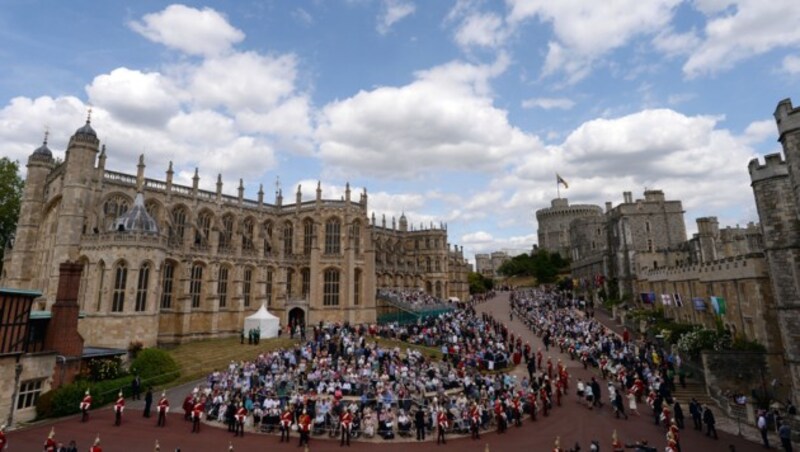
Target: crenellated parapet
[787, 117]
[774, 166]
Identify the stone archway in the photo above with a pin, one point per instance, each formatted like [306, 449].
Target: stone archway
[297, 316]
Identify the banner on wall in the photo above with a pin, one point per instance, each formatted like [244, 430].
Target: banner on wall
[719, 305]
[699, 304]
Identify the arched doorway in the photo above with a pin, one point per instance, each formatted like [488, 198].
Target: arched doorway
[297, 316]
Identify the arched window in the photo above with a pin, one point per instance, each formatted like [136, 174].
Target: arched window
[247, 235]
[332, 236]
[289, 278]
[114, 206]
[222, 286]
[84, 282]
[101, 276]
[428, 264]
[226, 234]
[120, 281]
[306, 277]
[269, 285]
[308, 236]
[141, 288]
[438, 263]
[330, 295]
[357, 237]
[167, 285]
[288, 235]
[247, 284]
[438, 289]
[203, 229]
[267, 238]
[357, 287]
[177, 231]
[196, 285]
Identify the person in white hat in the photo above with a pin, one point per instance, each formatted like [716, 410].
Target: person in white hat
[163, 409]
[3, 439]
[119, 407]
[85, 406]
[96, 446]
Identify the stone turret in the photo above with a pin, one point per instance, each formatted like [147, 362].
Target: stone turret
[708, 235]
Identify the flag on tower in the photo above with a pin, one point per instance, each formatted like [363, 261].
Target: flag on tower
[560, 180]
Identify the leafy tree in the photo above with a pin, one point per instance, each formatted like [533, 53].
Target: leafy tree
[11, 184]
[479, 283]
[542, 265]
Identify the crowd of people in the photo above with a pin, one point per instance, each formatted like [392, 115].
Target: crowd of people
[416, 299]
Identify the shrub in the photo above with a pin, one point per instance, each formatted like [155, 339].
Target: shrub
[101, 369]
[155, 367]
[134, 347]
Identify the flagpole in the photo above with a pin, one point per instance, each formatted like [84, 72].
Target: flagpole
[558, 187]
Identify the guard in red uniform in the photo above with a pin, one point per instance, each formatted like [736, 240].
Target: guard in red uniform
[119, 407]
[188, 405]
[286, 423]
[475, 421]
[346, 420]
[500, 416]
[557, 445]
[3, 439]
[616, 444]
[240, 416]
[539, 358]
[545, 400]
[197, 414]
[85, 406]
[516, 410]
[96, 446]
[549, 368]
[163, 409]
[442, 423]
[50, 442]
[532, 405]
[304, 425]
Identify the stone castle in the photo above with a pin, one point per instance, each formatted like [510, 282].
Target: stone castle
[166, 263]
[639, 250]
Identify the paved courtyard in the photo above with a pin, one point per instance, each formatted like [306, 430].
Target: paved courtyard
[573, 422]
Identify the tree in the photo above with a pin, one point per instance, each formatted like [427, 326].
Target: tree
[479, 283]
[11, 184]
[542, 265]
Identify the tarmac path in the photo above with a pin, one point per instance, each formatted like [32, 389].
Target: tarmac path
[572, 422]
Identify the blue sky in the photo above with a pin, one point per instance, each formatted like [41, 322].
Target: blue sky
[450, 111]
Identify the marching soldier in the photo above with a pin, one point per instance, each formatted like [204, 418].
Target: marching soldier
[475, 421]
[3, 440]
[286, 423]
[50, 442]
[517, 411]
[346, 420]
[163, 409]
[616, 444]
[119, 407]
[500, 416]
[197, 414]
[85, 405]
[304, 425]
[557, 446]
[96, 446]
[442, 424]
[241, 415]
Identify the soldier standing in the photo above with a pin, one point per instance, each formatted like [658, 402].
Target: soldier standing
[475, 421]
[163, 409]
[197, 414]
[148, 402]
[96, 446]
[346, 420]
[119, 407]
[304, 425]
[286, 423]
[86, 404]
[50, 442]
[241, 415]
[441, 423]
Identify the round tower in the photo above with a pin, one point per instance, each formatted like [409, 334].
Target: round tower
[553, 223]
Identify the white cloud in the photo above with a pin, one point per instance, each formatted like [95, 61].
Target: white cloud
[392, 12]
[791, 64]
[674, 44]
[482, 30]
[548, 103]
[587, 31]
[444, 120]
[134, 96]
[758, 131]
[189, 30]
[477, 237]
[303, 16]
[739, 29]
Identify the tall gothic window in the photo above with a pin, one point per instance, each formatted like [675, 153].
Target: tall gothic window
[203, 229]
[120, 281]
[177, 231]
[114, 206]
[288, 235]
[357, 287]
[306, 277]
[167, 285]
[222, 286]
[289, 278]
[247, 235]
[438, 264]
[247, 285]
[428, 264]
[332, 236]
[357, 237]
[308, 236]
[141, 288]
[101, 276]
[267, 238]
[226, 234]
[330, 296]
[196, 285]
[268, 287]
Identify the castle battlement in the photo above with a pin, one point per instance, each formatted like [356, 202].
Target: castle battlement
[787, 117]
[774, 166]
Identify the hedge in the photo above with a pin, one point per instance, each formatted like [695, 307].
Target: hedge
[155, 367]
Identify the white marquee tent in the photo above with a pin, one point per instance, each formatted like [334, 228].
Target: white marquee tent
[267, 323]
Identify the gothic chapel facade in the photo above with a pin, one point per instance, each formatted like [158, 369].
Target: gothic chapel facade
[165, 263]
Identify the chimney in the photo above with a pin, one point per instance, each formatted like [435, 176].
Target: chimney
[62, 332]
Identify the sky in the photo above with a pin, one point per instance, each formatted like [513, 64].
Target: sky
[450, 111]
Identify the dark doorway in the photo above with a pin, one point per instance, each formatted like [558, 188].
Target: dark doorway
[297, 317]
